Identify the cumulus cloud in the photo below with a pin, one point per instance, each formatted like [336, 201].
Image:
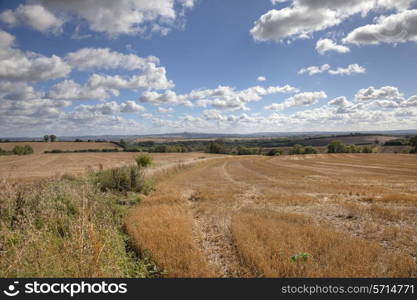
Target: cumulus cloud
[313, 70]
[327, 45]
[111, 108]
[384, 93]
[152, 77]
[261, 78]
[301, 99]
[222, 97]
[164, 110]
[70, 90]
[397, 28]
[119, 17]
[35, 16]
[349, 70]
[304, 17]
[104, 58]
[17, 65]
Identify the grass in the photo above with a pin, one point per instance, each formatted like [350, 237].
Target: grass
[271, 244]
[67, 227]
[162, 226]
[235, 217]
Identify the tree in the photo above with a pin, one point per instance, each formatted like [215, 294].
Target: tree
[336, 147]
[217, 147]
[310, 150]
[52, 137]
[413, 142]
[46, 138]
[296, 150]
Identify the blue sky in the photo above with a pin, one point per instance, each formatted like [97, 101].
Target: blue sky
[90, 67]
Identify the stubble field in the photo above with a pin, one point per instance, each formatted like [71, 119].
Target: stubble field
[40, 166]
[345, 215]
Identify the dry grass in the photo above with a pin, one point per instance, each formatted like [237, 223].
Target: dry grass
[363, 204]
[163, 226]
[267, 240]
[40, 166]
[63, 228]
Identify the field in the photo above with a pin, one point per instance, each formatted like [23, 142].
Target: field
[41, 147]
[38, 166]
[341, 215]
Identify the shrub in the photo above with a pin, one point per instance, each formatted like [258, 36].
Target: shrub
[310, 150]
[367, 149]
[22, 150]
[124, 179]
[144, 161]
[297, 149]
[274, 152]
[336, 147]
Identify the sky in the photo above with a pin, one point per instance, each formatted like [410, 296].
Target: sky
[95, 67]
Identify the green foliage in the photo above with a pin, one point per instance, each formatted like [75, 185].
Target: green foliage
[65, 228]
[367, 149]
[310, 150]
[413, 142]
[336, 147]
[300, 257]
[22, 150]
[217, 147]
[52, 138]
[46, 138]
[143, 161]
[275, 152]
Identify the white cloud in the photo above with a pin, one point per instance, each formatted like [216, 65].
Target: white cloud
[261, 78]
[384, 93]
[122, 16]
[105, 58]
[70, 90]
[313, 70]
[28, 66]
[304, 17]
[349, 70]
[165, 110]
[327, 45]
[301, 99]
[152, 77]
[397, 28]
[111, 108]
[222, 97]
[35, 16]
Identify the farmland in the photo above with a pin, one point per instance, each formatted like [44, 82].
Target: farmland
[341, 215]
[38, 166]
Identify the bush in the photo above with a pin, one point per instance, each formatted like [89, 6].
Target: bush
[144, 161]
[367, 149]
[310, 150]
[336, 147]
[124, 179]
[274, 152]
[296, 150]
[22, 150]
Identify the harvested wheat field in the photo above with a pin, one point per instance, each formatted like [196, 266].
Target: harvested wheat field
[38, 166]
[341, 215]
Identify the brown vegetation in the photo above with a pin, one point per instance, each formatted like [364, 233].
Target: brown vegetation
[349, 214]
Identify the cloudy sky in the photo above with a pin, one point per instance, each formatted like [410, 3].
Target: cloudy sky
[86, 67]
